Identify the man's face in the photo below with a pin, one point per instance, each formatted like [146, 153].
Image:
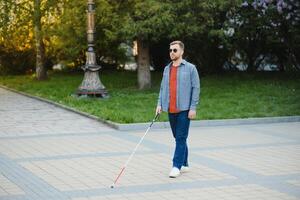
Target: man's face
[175, 52]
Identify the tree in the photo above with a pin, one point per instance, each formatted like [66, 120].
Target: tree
[266, 29]
[15, 39]
[69, 33]
[41, 72]
[199, 24]
[22, 29]
[147, 21]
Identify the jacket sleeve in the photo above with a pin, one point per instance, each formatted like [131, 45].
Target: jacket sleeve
[159, 100]
[195, 88]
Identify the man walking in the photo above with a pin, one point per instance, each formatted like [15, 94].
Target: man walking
[179, 96]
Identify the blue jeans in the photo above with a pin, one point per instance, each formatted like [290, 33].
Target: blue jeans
[180, 124]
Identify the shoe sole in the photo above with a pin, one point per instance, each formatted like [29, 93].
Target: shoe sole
[184, 171]
[174, 176]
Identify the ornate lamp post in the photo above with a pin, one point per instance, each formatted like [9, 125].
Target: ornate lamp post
[91, 84]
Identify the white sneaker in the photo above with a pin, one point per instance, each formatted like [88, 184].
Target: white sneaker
[174, 172]
[184, 169]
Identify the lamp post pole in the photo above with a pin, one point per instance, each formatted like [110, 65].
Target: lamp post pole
[91, 84]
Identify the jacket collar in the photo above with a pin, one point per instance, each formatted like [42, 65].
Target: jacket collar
[183, 62]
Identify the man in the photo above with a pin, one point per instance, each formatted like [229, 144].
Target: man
[179, 96]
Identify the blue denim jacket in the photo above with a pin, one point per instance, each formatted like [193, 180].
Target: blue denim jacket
[188, 87]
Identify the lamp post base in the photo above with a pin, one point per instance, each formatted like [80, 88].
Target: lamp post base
[91, 86]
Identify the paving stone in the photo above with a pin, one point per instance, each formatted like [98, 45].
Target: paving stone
[50, 153]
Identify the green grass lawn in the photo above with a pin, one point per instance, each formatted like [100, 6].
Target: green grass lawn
[224, 96]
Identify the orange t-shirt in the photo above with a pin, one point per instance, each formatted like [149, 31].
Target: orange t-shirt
[173, 90]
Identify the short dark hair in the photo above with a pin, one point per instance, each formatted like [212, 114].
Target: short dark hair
[179, 43]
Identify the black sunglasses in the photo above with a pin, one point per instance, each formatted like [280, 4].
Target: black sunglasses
[174, 50]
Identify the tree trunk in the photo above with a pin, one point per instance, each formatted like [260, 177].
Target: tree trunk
[280, 64]
[251, 67]
[143, 58]
[41, 73]
[251, 58]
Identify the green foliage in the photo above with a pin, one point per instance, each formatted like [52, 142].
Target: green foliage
[16, 62]
[69, 33]
[202, 25]
[199, 24]
[149, 20]
[63, 30]
[264, 32]
[15, 24]
[15, 39]
[17, 35]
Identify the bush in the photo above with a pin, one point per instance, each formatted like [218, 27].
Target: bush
[13, 62]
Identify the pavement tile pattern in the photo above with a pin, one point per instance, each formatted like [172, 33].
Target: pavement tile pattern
[47, 152]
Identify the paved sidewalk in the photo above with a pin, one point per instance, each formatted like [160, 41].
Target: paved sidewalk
[49, 153]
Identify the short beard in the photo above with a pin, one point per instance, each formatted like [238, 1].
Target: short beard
[174, 59]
